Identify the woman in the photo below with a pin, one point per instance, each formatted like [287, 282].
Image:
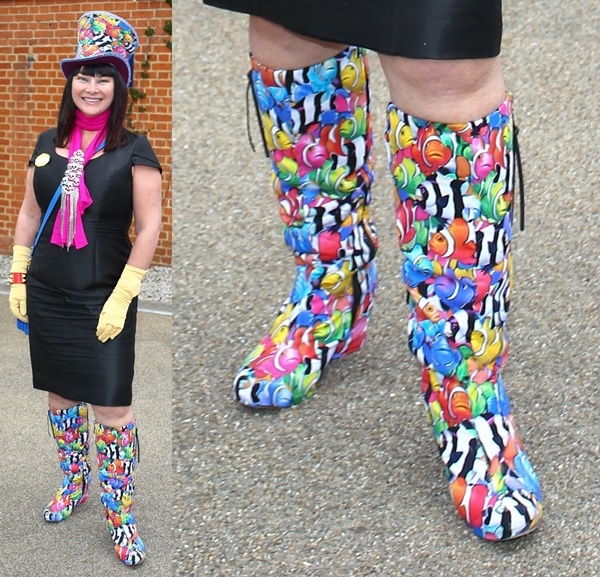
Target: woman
[78, 291]
[451, 146]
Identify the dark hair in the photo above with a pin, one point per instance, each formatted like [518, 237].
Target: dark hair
[66, 116]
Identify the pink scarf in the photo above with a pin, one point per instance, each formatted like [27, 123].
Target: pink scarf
[75, 197]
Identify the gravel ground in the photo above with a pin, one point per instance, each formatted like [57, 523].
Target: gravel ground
[349, 483]
[156, 286]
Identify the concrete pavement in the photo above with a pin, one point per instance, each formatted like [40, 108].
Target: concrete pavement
[349, 483]
[30, 475]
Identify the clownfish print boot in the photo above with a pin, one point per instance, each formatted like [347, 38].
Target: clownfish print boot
[70, 431]
[117, 453]
[454, 186]
[317, 131]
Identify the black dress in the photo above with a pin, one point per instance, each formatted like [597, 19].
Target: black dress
[66, 289]
[438, 29]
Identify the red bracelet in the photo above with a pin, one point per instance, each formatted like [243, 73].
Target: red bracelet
[17, 278]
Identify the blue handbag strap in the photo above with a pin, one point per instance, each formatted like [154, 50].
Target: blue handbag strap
[53, 204]
[47, 215]
[23, 326]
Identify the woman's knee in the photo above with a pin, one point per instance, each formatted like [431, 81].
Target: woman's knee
[450, 90]
[277, 47]
[58, 403]
[112, 416]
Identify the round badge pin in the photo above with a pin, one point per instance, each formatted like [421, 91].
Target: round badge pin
[42, 159]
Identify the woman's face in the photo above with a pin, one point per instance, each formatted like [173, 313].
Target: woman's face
[92, 94]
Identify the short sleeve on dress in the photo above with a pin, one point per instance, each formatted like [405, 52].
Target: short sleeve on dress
[44, 144]
[143, 153]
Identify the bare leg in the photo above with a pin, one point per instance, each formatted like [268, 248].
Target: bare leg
[108, 416]
[449, 91]
[115, 417]
[56, 402]
[277, 47]
[441, 90]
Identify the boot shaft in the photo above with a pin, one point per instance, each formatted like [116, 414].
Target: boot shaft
[117, 450]
[317, 131]
[454, 191]
[70, 431]
[117, 453]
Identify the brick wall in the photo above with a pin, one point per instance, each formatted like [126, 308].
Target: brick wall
[34, 36]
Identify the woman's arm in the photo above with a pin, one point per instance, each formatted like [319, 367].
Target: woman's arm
[147, 212]
[30, 214]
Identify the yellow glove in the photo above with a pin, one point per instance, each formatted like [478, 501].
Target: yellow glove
[17, 298]
[114, 312]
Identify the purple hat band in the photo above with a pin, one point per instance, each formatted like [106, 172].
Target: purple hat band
[104, 38]
[68, 65]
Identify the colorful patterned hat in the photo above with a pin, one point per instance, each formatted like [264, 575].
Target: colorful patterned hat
[104, 37]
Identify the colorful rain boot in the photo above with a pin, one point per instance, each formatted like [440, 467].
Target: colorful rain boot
[453, 213]
[317, 130]
[117, 458]
[70, 430]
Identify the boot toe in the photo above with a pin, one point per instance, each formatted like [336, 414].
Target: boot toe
[512, 516]
[492, 482]
[493, 516]
[56, 516]
[256, 393]
[133, 553]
